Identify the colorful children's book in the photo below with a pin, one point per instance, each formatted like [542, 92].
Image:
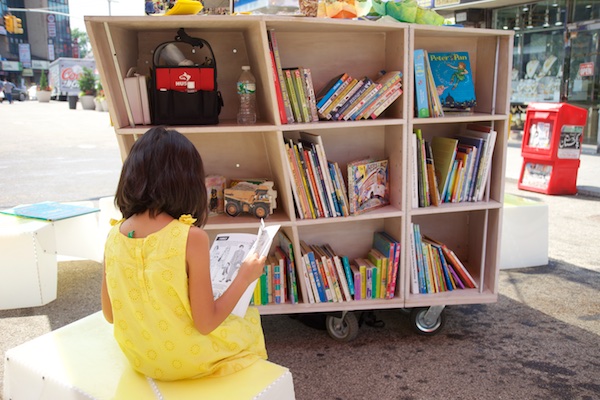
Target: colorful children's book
[444, 152]
[368, 185]
[280, 77]
[421, 102]
[453, 80]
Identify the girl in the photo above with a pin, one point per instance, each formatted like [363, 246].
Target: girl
[156, 286]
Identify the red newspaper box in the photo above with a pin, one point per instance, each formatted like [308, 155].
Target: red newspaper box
[551, 147]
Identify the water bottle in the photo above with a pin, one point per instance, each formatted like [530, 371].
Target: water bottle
[246, 88]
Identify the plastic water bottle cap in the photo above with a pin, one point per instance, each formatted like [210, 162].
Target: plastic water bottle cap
[245, 68]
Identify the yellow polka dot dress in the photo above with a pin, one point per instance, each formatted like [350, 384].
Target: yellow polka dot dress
[148, 287]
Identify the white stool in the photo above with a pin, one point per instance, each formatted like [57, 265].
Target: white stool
[28, 266]
[83, 361]
[524, 240]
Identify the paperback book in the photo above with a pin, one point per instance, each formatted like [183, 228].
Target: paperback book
[227, 253]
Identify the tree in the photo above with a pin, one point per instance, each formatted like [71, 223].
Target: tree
[83, 42]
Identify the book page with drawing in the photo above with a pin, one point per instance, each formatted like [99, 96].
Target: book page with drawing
[227, 253]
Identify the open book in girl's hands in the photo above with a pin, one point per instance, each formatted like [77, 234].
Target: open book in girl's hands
[227, 253]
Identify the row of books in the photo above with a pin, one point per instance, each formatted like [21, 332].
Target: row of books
[317, 184]
[452, 169]
[443, 83]
[343, 98]
[294, 88]
[278, 284]
[348, 98]
[329, 277]
[435, 268]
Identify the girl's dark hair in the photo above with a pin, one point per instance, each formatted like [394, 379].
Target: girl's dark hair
[163, 173]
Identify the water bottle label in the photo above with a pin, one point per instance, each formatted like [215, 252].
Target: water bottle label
[246, 88]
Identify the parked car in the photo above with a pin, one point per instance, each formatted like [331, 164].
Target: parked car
[20, 94]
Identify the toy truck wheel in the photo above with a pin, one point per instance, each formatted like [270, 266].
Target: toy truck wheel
[343, 329]
[232, 209]
[261, 211]
[424, 326]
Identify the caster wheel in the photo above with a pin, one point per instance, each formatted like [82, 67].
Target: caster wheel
[424, 326]
[342, 329]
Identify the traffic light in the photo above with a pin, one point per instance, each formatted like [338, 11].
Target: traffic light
[8, 23]
[17, 25]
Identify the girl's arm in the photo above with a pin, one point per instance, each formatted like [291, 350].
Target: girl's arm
[208, 313]
[106, 304]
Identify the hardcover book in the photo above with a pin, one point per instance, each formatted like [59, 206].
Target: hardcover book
[368, 185]
[453, 80]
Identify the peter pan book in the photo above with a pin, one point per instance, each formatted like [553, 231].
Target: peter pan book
[453, 79]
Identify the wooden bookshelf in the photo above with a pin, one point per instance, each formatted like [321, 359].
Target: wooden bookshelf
[329, 47]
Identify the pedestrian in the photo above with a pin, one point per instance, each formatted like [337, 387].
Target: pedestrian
[156, 286]
[8, 86]
[150, 7]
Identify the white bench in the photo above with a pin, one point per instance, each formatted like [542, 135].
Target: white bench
[30, 250]
[83, 361]
[28, 267]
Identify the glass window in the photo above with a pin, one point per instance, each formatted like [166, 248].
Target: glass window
[583, 69]
[586, 10]
[539, 49]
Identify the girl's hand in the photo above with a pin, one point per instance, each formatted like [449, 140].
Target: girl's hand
[252, 268]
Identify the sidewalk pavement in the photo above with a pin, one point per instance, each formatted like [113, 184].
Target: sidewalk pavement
[539, 341]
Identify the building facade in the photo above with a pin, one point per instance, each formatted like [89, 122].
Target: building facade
[44, 36]
[556, 56]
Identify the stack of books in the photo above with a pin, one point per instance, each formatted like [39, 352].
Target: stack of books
[346, 98]
[317, 184]
[330, 277]
[343, 98]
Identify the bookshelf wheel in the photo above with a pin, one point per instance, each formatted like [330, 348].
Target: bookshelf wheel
[426, 322]
[343, 329]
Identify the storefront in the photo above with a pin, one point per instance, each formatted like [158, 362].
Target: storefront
[556, 57]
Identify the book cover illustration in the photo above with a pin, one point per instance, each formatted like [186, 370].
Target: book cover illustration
[453, 80]
[368, 185]
[227, 253]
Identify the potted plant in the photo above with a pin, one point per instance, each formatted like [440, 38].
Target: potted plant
[87, 87]
[43, 90]
[100, 99]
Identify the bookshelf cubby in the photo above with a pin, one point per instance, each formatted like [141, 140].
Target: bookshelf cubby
[329, 47]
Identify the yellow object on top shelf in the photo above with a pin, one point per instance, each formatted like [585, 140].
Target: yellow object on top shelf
[185, 7]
